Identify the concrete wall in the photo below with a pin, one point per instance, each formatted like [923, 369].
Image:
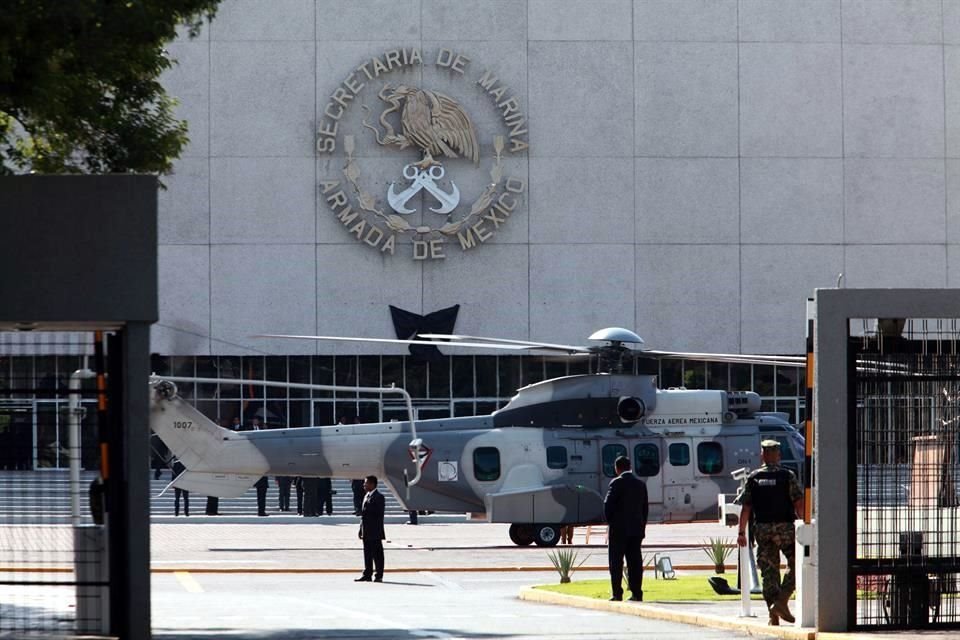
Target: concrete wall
[696, 168]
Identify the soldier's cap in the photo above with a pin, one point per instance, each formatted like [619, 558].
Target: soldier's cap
[769, 444]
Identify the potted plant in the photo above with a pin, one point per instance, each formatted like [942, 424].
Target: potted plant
[717, 550]
[565, 562]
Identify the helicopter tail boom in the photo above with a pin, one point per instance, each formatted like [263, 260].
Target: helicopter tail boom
[217, 458]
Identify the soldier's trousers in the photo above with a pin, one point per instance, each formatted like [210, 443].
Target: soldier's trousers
[774, 538]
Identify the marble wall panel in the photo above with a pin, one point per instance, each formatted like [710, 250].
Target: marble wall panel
[776, 282]
[900, 266]
[893, 101]
[951, 66]
[791, 200]
[601, 20]
[892, 21]
[685, 20]
[894, 201]
[188, 81]
[952, 234]
[491, 285]
[258, 20]
[354, 291]
[686, 99]
[478, 20]
[184, 295]
[688, 297]
[790, 21]
[572, 201]
[692, 200]
[262, 200]
[183, 208]
[368, 20]
[581, 95]
[262, 98]
[790, 100]
[578, 289]
[262, 288]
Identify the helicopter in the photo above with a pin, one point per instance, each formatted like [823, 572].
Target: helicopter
[540, 462]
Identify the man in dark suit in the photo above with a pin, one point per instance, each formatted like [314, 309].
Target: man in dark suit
[262, 484]
[176, 470]
[371, 532]
[625, 508]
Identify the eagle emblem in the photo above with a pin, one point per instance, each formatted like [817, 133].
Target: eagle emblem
[431, 121]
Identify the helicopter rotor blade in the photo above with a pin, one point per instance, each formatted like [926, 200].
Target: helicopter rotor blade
[433, 343]
[735, 358]
[454, 338]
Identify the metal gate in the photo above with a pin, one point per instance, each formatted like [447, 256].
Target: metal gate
[904, 422]
[53, 567]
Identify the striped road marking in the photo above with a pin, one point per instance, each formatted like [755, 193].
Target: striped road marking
[187, 582]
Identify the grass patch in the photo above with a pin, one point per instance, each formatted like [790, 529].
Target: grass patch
[683, 588]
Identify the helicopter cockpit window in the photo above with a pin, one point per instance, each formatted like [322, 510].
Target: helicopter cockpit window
[679, 454]
[710, 457]
[610, 454]
[486, 463]
[646, 460]
[556, 457]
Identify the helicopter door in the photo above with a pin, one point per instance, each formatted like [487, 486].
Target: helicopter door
[583, 465]
[678, 482]
[647, 465]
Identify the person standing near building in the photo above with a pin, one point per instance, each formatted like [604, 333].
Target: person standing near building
[262, 485]
[176, 470]
[357, 487]
[298, 485]
[311, 496]
[236, 425]
[325, 495]
[773, 496]
[372, 532]
[626, 507]
[283, 488]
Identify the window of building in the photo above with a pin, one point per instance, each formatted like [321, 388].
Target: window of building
[646, 460]
[610, 454]
[556, 457]
[486, 463]
[710, 457]
[679, 454]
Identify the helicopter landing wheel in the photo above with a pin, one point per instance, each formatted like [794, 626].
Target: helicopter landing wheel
[546, 535]
[521, 534]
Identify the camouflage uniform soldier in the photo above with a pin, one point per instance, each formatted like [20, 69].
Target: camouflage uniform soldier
[774, 498]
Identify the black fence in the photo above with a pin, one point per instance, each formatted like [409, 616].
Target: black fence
[906, 529]
[53, 576]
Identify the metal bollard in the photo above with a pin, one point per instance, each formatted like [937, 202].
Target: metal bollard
[92, 578]
[806, 561]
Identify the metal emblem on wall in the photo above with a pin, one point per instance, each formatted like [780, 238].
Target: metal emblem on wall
[441, 131]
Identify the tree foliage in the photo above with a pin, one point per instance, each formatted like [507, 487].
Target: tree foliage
[79, 84]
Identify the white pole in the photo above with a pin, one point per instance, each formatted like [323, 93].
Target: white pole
[73, 432]
[745, 582]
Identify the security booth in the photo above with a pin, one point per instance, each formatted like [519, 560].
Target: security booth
[78, 283]
[887, 416]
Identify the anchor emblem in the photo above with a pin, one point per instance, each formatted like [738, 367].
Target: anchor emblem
[423, 179]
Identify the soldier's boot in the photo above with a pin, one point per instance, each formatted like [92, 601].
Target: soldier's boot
[780, 608]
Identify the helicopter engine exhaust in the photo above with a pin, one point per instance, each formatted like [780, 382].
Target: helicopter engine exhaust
[630, 409]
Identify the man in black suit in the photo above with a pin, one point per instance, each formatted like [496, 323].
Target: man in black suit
[625, 508]
[371, 532]
[262, 484]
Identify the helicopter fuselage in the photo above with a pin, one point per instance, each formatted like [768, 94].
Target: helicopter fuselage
[545, 458]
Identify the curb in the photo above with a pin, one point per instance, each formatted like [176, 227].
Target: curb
[518, 568]
[670, 615]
